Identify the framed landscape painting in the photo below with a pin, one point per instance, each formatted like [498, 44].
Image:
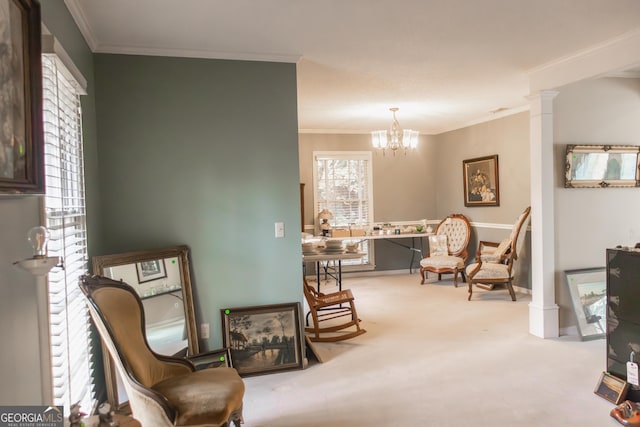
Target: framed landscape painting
[264, 339]
[481, 181]
[211, 359]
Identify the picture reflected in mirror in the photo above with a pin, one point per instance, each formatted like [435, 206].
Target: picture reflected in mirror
[160, 289]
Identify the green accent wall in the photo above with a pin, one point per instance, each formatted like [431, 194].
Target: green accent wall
[204, 153]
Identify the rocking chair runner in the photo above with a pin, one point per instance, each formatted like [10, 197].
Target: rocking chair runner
[326, 307]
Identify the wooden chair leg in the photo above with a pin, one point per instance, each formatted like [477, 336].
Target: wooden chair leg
[422, 274]
[511, 291]
[464, 278]
[470, 290]
[455, 278]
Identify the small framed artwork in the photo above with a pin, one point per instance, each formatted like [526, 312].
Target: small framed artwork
[264, 339]
[611, 388]
[588, 291]
[21, 129]
[212, 359]
[481, 181]
[151, 270]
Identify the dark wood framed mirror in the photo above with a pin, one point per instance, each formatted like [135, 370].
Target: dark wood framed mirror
[162, 280]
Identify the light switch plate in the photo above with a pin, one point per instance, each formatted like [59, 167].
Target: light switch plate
[279, 230]
[205, 331]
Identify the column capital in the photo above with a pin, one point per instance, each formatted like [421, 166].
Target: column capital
[546, 94]
[541, 102]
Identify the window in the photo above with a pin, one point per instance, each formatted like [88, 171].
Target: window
[64, 208]
[343, 185]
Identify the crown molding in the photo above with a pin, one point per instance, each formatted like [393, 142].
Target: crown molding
[197, 53]
[78, 15]
[81, 21]
[614, 55]
[629, 74]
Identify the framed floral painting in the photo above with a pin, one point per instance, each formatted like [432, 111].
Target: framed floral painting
[481, 181]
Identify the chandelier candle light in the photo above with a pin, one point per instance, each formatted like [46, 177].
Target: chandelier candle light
[395, 138]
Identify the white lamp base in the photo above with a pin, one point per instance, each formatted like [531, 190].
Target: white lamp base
[38, 266]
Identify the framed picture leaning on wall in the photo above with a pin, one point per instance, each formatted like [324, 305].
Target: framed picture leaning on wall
[264, 339]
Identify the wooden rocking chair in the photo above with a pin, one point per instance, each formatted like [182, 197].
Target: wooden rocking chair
[326, 307]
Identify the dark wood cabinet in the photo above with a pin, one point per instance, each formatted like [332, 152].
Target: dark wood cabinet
[623, 313]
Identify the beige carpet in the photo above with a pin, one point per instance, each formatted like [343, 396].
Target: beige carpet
[431, 358]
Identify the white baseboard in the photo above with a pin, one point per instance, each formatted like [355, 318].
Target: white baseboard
[571, 331]
[525, 291]
[345, 274]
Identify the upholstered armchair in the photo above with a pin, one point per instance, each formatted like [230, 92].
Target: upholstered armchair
[495, 261]
[163, 391]
[454, 231]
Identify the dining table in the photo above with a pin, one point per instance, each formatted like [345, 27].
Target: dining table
[322, 259]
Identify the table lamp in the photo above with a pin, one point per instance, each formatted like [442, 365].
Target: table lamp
[325, 215]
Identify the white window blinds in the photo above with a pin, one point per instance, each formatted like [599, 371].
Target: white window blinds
[64, 206]
[343, 185]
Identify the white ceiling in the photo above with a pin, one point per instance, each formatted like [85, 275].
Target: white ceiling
[445, 63]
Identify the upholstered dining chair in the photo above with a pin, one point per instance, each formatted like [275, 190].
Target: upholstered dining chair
[163, 391]
[495, 261]
[456, 230]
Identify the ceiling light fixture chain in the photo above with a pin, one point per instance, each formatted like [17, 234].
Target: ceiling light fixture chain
[395, 138]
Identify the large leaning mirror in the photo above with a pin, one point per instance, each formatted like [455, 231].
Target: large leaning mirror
[602, 166]
[162, 280]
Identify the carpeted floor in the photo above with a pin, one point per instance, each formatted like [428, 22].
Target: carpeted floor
[432, 358]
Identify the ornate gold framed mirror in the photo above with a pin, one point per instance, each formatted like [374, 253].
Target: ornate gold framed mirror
[602, 166]
[162, 280]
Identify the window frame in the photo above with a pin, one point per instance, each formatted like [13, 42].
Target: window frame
[64, 213]
[367, 245]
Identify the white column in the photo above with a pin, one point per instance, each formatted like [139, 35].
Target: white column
[543, 311]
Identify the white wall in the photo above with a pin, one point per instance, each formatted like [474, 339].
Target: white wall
[20, 354]
[508, 137]
[589, 220]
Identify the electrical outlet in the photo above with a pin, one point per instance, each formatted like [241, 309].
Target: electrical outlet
[205, 331]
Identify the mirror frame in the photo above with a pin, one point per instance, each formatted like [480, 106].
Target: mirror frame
[101, 262]
[600, 183]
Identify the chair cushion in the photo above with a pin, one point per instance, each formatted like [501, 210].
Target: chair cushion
[520, 219]
[489, 271]
[443, 261]
[457, 232]
[497, 253]
[206, 397]
[438, 245]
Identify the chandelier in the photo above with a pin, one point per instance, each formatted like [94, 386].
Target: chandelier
[394, 138]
